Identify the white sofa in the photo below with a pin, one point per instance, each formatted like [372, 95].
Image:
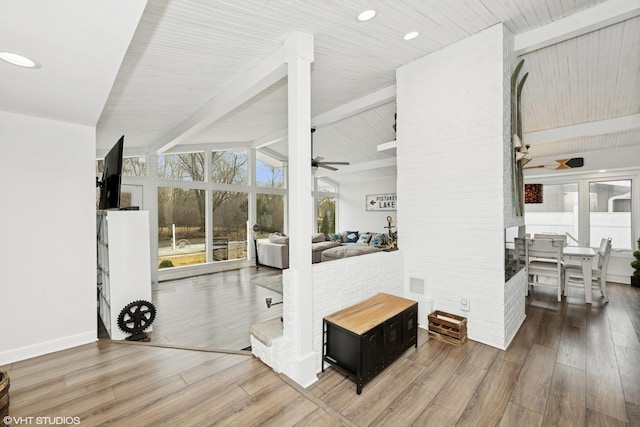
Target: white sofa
[274, 251]
[272, 254]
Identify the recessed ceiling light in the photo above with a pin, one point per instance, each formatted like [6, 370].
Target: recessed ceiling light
[602, 170]
[412, 35]
[366, 15]
[19, 60]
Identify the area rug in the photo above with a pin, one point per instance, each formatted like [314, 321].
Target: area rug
[273, 283]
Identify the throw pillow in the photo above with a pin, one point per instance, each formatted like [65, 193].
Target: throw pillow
[363, 239]
[351, 237]
[278, 238]
[333, 237]
[318, 237]
[377, 239]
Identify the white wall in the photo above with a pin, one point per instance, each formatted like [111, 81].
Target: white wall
[352, 214]
[47, 245]
[450, 158]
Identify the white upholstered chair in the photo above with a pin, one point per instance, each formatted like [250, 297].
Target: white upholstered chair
[544, 259]
[573, 274]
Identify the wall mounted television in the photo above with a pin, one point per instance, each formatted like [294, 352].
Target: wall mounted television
[111, 177]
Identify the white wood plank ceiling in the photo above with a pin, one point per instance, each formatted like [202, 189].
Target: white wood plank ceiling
[186, 51]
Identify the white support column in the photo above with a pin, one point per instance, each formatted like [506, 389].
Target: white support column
[208, 209]
[253, 214]
[298, 54]
[150, 203]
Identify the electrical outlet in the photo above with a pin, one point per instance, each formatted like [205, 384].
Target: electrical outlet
[465, 304]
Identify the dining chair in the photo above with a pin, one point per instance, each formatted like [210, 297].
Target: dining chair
[561, 237]
[544, 259]
[573, 274]
[520, 256]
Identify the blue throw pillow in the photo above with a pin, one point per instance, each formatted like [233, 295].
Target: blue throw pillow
[334, 237]
[377, 239]
[351, 237]
[363, 239]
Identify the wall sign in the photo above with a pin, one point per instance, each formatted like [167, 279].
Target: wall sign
[381, 202]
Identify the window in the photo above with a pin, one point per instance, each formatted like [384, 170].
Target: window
[270, 214]
[557, 214]
[230, 215]
[610, 213]
[134, 166]
[229, 167]
[326, 200]
[326, 217]
[181, 167]
[269, 171]
[181, 227]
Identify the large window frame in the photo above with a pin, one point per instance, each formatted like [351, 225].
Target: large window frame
[584, 180]
[209, 186]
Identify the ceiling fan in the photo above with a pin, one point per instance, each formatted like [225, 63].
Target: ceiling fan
[317, 162]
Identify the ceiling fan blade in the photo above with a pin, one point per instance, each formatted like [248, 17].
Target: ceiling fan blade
[334, 163]
[317, 161]
[324, 165]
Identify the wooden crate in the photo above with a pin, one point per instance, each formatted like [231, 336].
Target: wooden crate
[448, 327]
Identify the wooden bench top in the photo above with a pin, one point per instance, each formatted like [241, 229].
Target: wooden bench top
[369, 313]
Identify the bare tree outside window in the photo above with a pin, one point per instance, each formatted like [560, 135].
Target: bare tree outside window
[270, 214]
[229, 167]
[181, 235]
[181, 212]
[134, 166]
[269, 172]
[326, 218]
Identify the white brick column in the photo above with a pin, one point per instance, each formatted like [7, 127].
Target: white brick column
[453, 142]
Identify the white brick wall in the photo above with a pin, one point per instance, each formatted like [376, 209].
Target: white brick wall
[336, 285]
[341, 283]
[514, 302]
[452, 132]
[514, 291]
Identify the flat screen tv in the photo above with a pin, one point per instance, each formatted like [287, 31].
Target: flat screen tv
[111, 177]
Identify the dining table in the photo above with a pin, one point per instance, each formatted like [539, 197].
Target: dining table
[585, 256]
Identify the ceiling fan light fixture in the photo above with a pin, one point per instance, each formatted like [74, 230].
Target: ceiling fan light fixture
[412, 35]
[366, 15]
[19, 60]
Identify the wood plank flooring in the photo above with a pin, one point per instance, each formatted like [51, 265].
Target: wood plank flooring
[213, 311]
[569, 365]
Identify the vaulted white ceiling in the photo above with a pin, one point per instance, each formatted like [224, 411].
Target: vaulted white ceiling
[184, 53]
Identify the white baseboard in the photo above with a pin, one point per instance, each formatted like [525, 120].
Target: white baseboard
[29, 351]
[619, 279]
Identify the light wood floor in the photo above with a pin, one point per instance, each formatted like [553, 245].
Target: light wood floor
[569, 365]
[213, 311]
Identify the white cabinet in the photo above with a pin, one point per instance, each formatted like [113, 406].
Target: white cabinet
[124, 266]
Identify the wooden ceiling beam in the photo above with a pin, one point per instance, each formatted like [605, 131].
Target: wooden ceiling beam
[600, 127]
[250, 84]
[356, 106]
[349, 109]
[592, 19]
